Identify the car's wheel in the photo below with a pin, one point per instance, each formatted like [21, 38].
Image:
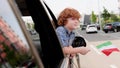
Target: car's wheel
[106, 31]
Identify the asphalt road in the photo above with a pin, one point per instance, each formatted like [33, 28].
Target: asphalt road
[95, 58]
[100, 36]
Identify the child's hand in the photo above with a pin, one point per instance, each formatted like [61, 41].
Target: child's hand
[84, 50]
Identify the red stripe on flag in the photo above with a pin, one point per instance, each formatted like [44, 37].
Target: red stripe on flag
[107, 52]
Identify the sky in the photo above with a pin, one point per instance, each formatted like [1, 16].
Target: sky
[83, 6]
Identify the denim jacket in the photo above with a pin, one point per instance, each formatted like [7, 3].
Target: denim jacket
[66, 38]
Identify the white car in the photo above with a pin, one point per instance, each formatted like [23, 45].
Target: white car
[91, 29]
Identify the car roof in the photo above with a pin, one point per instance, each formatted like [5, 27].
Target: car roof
[108, 23]
[116, 22]
[91, 25]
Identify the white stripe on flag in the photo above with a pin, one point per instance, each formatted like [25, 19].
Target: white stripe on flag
[113, 66]
[107, 47]
[95, 49]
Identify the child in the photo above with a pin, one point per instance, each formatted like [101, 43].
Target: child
[68, 21]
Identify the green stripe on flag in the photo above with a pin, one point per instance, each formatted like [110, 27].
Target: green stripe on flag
[104, 44]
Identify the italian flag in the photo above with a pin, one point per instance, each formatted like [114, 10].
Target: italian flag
[107, 48]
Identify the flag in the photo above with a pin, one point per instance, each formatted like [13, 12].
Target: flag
[107, 48]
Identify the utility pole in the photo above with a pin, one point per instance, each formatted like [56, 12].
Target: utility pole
[99, 15]
[119, 7]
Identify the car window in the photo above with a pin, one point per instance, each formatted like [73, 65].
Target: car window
[117, 23]
[15, 40]
[108, 24]
[91, 26]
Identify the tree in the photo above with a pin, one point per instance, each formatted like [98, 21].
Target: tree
[105, 15]
[33, 26]
[93, 17]
[28, 25]
[13, 57]
[114, 18]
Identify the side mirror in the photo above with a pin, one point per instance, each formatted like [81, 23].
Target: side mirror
[79, 42]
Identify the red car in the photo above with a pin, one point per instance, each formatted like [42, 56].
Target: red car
[108, 27]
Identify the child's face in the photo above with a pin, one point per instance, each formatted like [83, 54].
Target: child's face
[72, 23]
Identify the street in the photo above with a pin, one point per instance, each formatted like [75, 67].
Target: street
[95, 58]
[100, 36]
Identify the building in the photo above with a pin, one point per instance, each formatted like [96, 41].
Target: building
[87, 19]
[10, 39]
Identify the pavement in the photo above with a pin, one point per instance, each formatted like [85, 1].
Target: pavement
[95, 58]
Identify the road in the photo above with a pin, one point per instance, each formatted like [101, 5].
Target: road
[95, 58]
[100, 36]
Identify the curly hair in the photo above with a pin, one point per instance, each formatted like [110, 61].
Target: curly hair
[67, 13]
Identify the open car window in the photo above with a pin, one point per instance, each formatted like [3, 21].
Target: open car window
[37, 44]
[14, 47]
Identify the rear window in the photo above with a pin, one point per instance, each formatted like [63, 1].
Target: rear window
[108, 24]
[117, 23]
[91, 26]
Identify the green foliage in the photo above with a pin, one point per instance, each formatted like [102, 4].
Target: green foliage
[105, 15]
[28, 26]
[93, 17]
[13, 57]
[32, 26]
[118, 18]
[114, 18]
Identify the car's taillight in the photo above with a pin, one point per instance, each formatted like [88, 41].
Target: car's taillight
[110, 27]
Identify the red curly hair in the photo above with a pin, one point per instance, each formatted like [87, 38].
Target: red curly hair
[67, 13]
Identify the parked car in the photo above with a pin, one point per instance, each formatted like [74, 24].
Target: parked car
[98, 26]
[108, 27]
[83, 27]
[115, 27]
[91, 28]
